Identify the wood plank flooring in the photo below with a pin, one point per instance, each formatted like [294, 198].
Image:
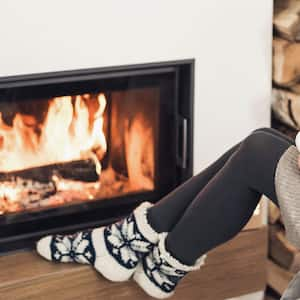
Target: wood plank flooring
[234, 268]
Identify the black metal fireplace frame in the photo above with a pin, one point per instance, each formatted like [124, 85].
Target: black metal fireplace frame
[19, 231]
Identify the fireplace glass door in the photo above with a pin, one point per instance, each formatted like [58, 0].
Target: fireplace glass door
[70, 149]
[82, 148]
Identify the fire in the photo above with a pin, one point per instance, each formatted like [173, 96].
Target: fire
[70, 136]
[69, 132]
[139, 153]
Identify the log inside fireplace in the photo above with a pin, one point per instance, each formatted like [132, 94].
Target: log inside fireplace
[83, 170]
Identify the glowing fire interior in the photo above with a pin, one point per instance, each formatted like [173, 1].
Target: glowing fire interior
[39, 158]
[67, 134]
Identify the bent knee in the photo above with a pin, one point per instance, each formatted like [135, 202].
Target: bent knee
[257, 142]
[263, 129]
[254, 149]
[266, 130]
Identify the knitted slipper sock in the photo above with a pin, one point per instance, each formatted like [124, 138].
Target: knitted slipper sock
[114, 250]
[159, 272]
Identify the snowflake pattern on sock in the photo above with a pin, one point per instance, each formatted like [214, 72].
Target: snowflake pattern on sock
[126, 243]
[162, 274]
[77, 247]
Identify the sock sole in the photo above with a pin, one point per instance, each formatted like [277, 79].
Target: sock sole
[148, 286]
[105, 263]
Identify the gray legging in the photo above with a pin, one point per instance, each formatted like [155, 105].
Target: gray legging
[213, 206]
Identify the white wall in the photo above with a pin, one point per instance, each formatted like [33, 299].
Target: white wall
[230, 40]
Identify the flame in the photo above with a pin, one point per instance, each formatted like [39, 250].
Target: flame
[69, 132]
[73, 129]
[139, 147]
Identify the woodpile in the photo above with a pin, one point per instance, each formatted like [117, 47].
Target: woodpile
[286, 106]
[284, 258]
[286, 66]
[286, 19]
[286, 62]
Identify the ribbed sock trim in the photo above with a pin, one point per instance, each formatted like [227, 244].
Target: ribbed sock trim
[140, 214]
[175, 262]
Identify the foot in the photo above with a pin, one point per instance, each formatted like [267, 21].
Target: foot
[114, 250]
[77, 247]
[159, 272]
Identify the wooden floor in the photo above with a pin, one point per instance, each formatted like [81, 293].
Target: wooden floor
[235, 268]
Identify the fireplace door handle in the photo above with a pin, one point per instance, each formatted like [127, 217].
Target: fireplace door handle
[182, 142]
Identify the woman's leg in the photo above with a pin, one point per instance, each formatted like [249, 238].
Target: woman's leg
[222, 207]
[166, 213]
[225, 204]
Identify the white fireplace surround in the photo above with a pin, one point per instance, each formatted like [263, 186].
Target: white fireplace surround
[230, 41]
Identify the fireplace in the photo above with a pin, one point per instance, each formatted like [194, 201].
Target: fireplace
[83, 148]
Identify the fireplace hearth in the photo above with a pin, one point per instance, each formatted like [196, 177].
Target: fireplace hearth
[83, 148]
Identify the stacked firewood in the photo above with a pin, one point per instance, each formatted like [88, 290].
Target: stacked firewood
[284, 258]
[286, 66]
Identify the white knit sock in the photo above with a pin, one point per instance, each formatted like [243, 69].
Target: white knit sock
[114, 250]
[158, 272]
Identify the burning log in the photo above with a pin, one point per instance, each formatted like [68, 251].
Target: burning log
[42, 186]
[20, 194]
[85, 170]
